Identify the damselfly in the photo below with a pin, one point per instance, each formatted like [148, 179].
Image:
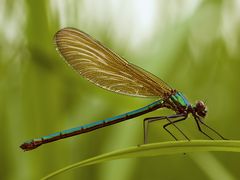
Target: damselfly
[108, 70]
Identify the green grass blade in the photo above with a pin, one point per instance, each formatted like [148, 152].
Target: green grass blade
[155, 149]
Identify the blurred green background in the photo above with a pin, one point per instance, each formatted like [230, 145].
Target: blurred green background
[192, 45]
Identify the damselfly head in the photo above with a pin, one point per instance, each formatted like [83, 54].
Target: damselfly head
[201, 108]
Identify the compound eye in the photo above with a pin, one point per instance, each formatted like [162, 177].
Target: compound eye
[201, 108]
[200, 105]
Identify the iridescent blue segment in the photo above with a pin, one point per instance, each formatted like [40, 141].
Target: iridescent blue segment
[86, 126]
[70, 130]
[94, 124]
[51, 135]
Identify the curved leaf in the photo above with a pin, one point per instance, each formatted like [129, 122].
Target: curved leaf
[155, 149]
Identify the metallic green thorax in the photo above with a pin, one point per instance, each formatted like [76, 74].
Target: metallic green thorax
[180, 99]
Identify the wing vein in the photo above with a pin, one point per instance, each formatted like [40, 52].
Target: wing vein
[105, 68]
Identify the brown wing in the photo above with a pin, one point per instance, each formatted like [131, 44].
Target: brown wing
[105, 68]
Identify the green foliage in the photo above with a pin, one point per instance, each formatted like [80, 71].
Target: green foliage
[156, 149]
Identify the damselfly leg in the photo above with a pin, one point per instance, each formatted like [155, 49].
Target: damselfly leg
[173, 123]
[170, 122]
[197, 119]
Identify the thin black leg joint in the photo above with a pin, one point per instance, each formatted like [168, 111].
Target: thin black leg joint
[168, 118]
